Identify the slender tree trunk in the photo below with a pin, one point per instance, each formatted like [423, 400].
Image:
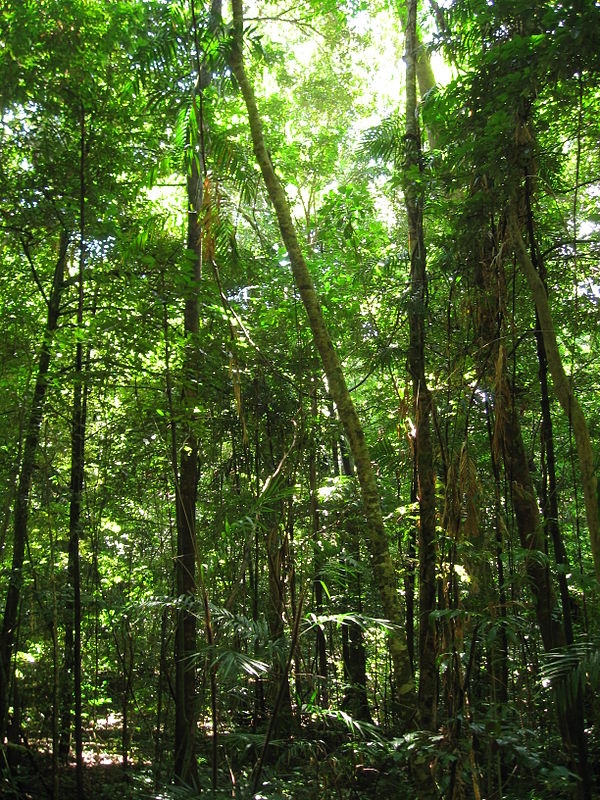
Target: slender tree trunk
[71, 689]
[549, 488]
[259, 694]
[575, 710]
[383, 566]
[276, 547]
[531, 536]
[55, 721]
[410, 571]
[421, 61]
[186, 478]
[72, 682]
[11, 487]
[562, 386]
[355, 699]
[162, 671]
[21, 511]
[185, 765]
[291, 557]
[127, 661]
[275, 611]
[413, 194]
[500, 649]
[321, 645]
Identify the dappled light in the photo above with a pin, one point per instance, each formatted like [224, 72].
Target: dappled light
[300, 446]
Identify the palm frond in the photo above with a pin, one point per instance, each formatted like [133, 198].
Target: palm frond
[349, 618]
[383, 142]
[572, 669]
[233, 662]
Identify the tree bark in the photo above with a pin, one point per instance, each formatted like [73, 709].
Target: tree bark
[21, 511]
[413, 195]
[354, 653]
[72, 672]
[531, 534]
[275, 548]
[320, 644]
[410, 569]
[186, 483]
[563, 388]
[186, 478]
[422, 63]
[549, 489]
[383, 566]
[424, 71]
[508, 442]
[499, 686]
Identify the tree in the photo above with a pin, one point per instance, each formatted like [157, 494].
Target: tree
[21, 511]
[259, 516]
[377, 540]
[414, 198]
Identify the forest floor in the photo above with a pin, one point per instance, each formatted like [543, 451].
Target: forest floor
[302, 765]
[27, 774]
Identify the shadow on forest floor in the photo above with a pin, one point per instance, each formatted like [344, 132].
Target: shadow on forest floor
[26, 773]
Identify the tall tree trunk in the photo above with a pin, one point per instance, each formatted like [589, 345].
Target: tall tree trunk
[413, 195]
[508, 442]
[72, 671]
[354, 652]
[55, 702]
[421, 62]
[383, 566]
[186, 477]
[162, 673]
[499, 658]
[21, 511]
[531, 535]
[321, 645]
[276, 551]
[71, 689]
[275, 611]
[410, 570]
[549, 488]
[186, 481]
[562, 386]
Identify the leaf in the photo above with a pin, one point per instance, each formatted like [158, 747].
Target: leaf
[570, 669]
[232, 661]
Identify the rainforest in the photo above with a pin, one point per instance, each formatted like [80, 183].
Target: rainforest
[299, 417]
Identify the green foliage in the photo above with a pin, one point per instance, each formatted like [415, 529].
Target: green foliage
[573, 670]
[277, 524]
